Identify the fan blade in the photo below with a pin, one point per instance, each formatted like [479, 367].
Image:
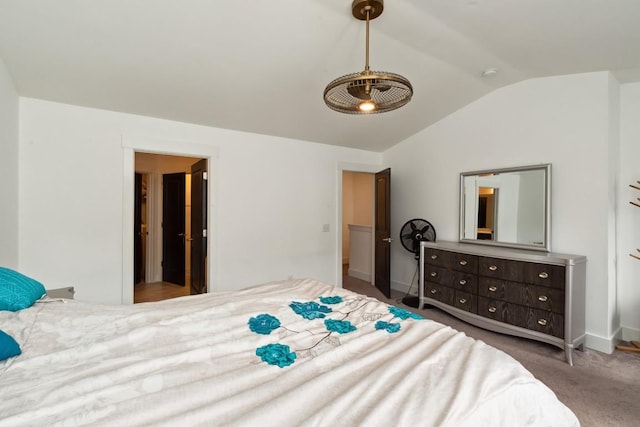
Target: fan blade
[413, 226]
[425, 229]
[358, 92]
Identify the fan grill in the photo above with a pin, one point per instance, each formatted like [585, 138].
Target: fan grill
[415, 231]
[387, 90]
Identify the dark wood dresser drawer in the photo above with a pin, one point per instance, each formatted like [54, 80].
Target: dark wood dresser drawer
[439, 292]
[452, 260]
[466, 301]
[552, 276]
[501, 269]
[533, 319]
[437, 257]
[519, 293]
[493, 309]
[436, 274]
[463, 281]
[546, 322]
[465, 263]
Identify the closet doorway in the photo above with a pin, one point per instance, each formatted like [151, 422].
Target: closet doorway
[170, 217]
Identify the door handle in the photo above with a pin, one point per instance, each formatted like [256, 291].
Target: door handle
[388, 240]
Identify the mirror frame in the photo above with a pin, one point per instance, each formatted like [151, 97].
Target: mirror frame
[546, 245]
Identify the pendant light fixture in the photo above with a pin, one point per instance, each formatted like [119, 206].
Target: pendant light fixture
[367, 92]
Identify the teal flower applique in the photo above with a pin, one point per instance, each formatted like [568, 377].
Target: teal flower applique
[339, 326]
[276, 354]
[386, 326]
[335, 299]
[310, 310]
[263, 324]
[403, 314]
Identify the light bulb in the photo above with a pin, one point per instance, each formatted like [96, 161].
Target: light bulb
[367, 106]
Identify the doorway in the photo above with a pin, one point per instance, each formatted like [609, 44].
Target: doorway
[163, 226]
[379, 208]
[357, 225]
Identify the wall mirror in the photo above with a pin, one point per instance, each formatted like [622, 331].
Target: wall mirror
[507, 207]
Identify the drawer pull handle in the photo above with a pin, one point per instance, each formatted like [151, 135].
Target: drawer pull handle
[434, 256]
[543, 275]
[463, 301]
[542, 322]
[493, 267]
[433, 291]
[492, 309]
[542, 298]
[463, 262]
[463, 282]
[493, 289]
[434, 274]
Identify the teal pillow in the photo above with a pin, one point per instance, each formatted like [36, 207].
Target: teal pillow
[8, 346]
[18, 291]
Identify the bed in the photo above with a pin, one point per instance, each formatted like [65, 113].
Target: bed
[290, 353]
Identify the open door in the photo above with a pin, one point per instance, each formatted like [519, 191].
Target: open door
[173, 228]
[199, 227]
[382, 233]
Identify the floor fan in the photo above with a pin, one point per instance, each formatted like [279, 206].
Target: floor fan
[411, 234]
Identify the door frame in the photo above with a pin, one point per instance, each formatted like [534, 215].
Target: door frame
[132, 144]
[351, 167]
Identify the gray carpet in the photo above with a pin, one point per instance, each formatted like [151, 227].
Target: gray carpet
[601, 389]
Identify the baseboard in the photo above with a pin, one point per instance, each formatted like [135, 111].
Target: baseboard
[359, 275]
[602, 344]
[404, 287]
[629, 334]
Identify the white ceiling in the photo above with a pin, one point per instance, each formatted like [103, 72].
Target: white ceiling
[261, 66]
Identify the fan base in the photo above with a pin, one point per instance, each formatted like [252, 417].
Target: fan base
[359, 9]
[411, 301]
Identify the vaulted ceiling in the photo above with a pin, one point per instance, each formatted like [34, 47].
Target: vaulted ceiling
[262, 66]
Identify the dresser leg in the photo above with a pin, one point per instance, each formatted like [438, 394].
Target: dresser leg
[568, 351]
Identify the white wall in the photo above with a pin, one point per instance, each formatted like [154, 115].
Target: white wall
[273, 196]
[8, 170]
[269, 194]
[561, 120]
[628, 231]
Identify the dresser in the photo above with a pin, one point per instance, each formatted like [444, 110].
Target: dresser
[531, 294]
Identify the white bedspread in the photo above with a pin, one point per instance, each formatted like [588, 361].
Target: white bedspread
[193, 361]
